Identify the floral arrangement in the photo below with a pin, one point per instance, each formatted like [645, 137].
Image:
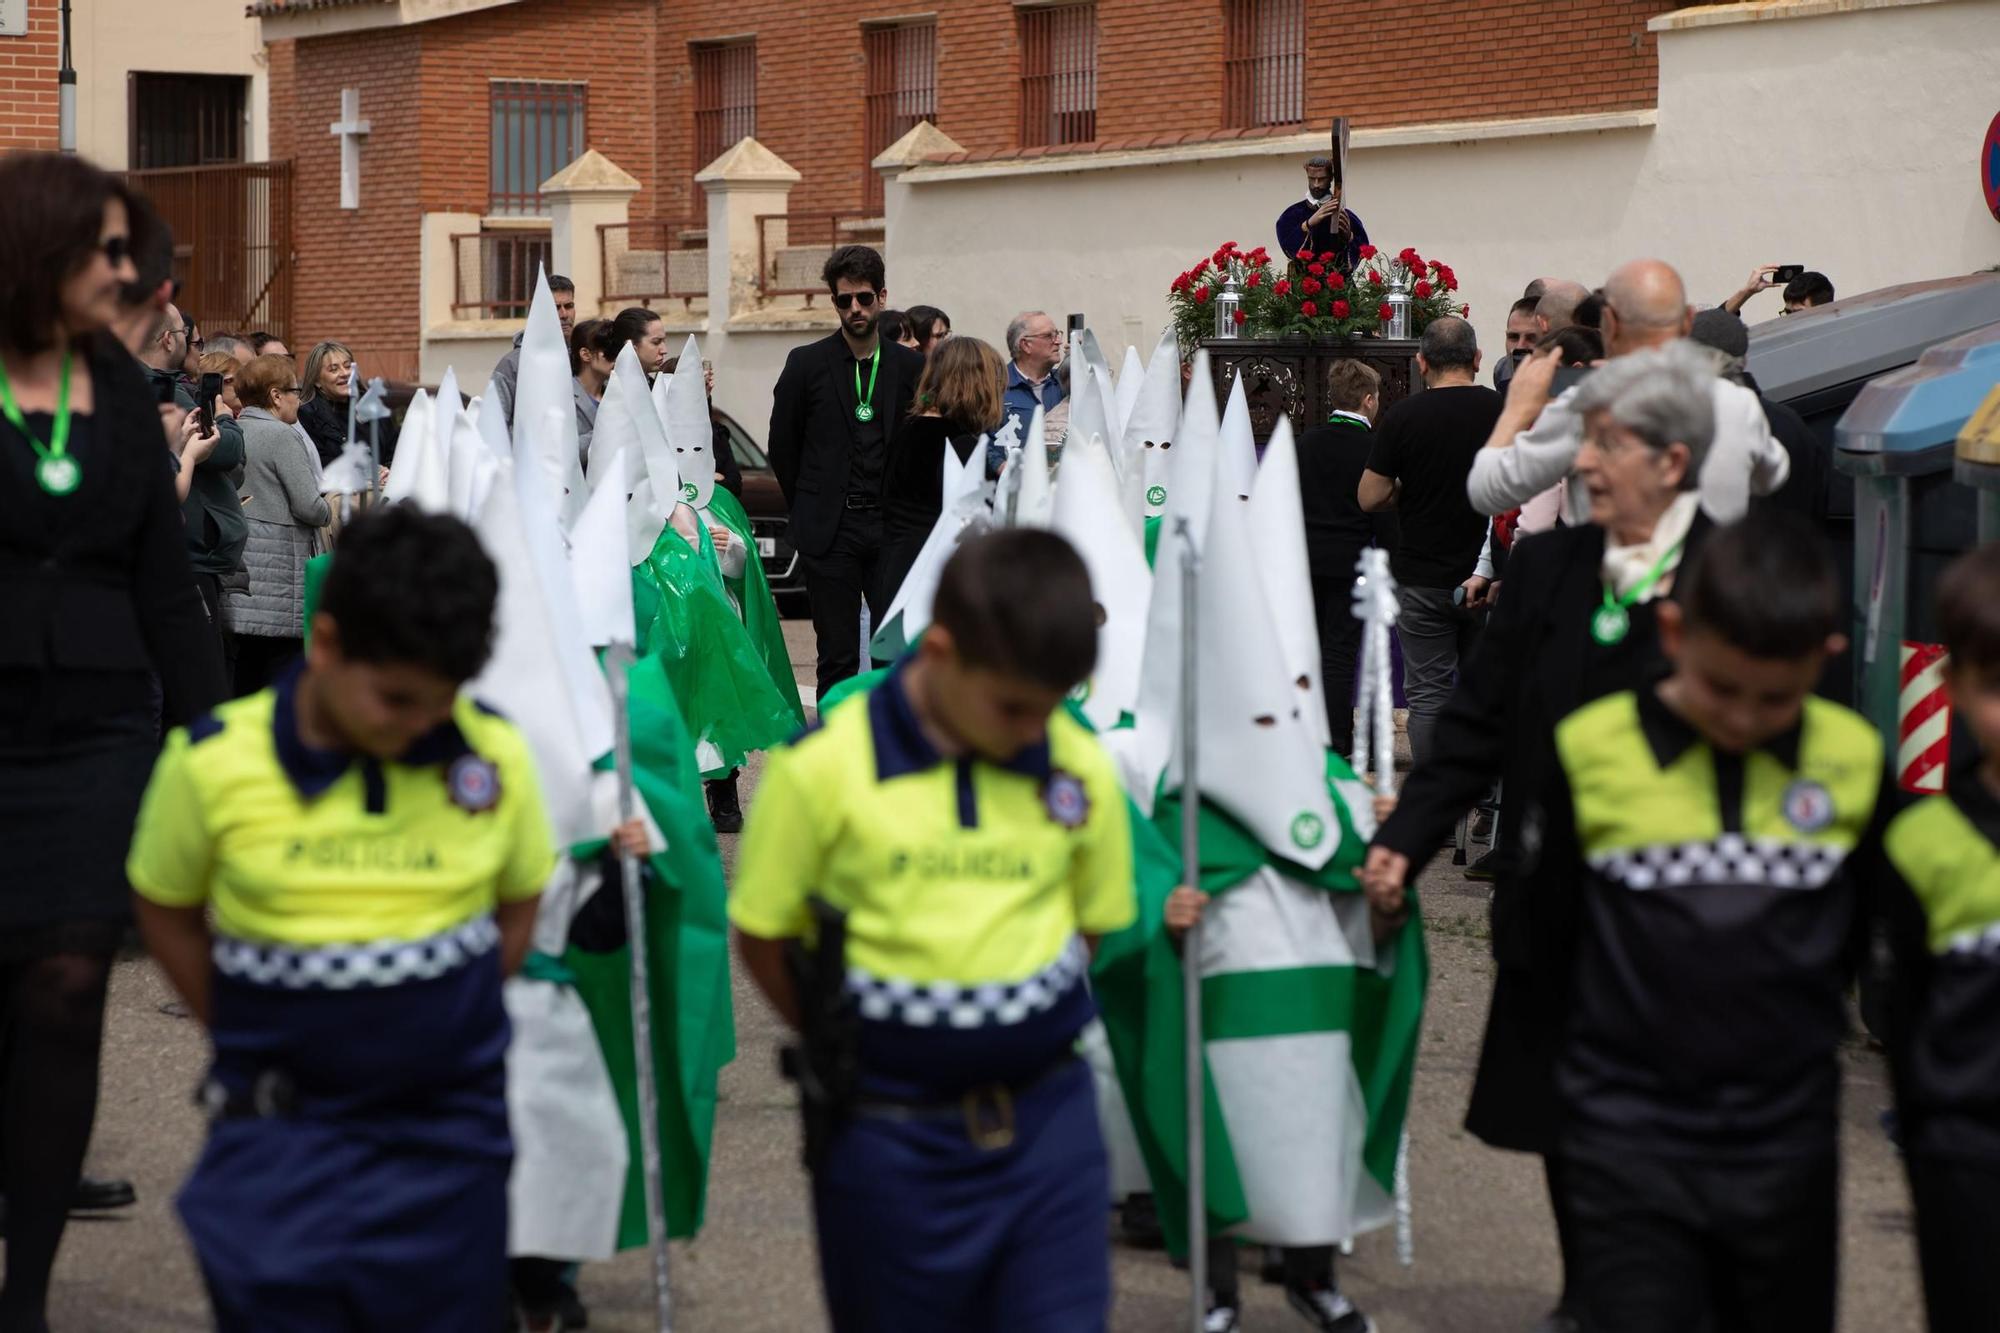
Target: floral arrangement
[1310, 296]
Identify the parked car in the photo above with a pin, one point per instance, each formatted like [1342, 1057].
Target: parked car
[770, 518]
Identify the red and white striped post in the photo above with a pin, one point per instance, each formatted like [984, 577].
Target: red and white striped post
[1923, 719]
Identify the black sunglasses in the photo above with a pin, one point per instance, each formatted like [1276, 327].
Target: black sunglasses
[842, 300]
[117, 249]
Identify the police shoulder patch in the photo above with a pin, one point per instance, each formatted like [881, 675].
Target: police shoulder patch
[473, 784]
[1808, 806]
[1066, 798]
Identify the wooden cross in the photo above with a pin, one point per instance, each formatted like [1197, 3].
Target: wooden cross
[350, 127]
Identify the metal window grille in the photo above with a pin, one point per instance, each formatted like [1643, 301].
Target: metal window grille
[1265, 62]
[725, 97]
[538, 129]
[901, 90]
[1058, 75]
[186, 120]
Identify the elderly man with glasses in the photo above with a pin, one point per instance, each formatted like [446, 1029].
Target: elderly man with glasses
[1035, 346]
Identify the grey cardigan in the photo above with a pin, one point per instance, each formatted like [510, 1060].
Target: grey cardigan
[284, 511]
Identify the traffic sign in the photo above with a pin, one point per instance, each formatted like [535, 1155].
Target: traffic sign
[1989, 168]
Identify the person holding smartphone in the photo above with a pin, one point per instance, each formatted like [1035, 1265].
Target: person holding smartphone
[1803, 289]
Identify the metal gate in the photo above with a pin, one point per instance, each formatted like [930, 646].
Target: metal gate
[232, 229]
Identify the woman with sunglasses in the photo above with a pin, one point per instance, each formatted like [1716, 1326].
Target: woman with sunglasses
[284, 509]
[99, 603]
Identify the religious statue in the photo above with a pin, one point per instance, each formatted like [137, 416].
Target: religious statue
[1321, 222]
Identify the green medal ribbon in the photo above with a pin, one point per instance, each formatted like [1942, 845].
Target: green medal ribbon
[56, 472]
[864, 407]
[1611, 622]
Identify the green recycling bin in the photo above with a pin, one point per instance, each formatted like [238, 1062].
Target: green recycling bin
[1898, 441]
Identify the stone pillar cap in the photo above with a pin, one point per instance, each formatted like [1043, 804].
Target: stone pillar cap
[924, 140]
[747, 162]
[593, 173]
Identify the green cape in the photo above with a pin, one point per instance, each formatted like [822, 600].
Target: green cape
[694, 1029]
[719, 673]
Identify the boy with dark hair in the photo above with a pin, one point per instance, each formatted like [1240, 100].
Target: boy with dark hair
[968, 830]
[1944, 858]
[835, 412]
[335, 873]
[1696, 838]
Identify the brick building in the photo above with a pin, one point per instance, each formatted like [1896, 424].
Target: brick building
[471, 103]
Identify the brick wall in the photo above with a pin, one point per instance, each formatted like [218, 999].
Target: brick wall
[1160, 72]
[282, 66]
[613, 53]
[357, 280]
[28, 68]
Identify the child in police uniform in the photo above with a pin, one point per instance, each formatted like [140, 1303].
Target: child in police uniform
[335, 874]
[1944, 861]
[1707, 838]
[976, 837]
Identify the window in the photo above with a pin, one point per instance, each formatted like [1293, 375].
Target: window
[537, 131]
[186, 120]
[725, 97]
[1264, 70]
[1058, 75]
[901, 90]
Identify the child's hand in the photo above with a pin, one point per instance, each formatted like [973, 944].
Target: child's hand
[629, 838]
[1382, 879]
[1384, 806]
[1184, 909]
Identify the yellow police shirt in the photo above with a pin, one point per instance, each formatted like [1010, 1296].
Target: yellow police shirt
[952, 871]
[301, 847]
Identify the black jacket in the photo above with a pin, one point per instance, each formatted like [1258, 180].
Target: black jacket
[325, 420]
[813, 431]
[213, 511]
[99, 580]
[1331, 460]
[1534, 665]
[725, 461]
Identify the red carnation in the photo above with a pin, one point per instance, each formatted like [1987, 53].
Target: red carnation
[1309, 286]
[1260, 254]
[1304, 255]
[1382, 312]
[1283, 287]
[1316, 269]
[1253, 280]
[1198, 269]
[1242, 318]
[1308, 309]
[1416, 264]
[1408, 254]
[1201, 295]
[1422, 291]
[1335, 282]
[1368, 252]
[1465, 310]
[1179, 284]
[1340, 310]
[1229, 247]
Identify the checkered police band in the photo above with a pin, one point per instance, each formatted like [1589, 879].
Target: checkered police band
[1730, 859]
[356, 966]
[921, 1004]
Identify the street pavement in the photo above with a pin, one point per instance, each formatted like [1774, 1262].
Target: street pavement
[1484, 1243]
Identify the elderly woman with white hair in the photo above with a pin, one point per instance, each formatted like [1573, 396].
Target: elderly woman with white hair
[1575, 621]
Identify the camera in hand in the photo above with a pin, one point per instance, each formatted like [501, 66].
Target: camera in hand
[1784, 273]
[205, 396]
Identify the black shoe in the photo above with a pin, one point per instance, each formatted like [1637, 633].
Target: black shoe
[1271, 1269]
[1139, 1222]
[570, 1311]
[1326, 1309]
[101, 1196]
[1484, 867]
[724, 810]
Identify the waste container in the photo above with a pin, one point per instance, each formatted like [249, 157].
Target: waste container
[1898, 441]
[1978, 464]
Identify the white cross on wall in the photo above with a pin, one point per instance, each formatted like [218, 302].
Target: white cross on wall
[350, 127]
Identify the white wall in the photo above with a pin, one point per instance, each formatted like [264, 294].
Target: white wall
[1847, 143]
[113, 38]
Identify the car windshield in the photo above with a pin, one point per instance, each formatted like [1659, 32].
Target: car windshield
[748, 455]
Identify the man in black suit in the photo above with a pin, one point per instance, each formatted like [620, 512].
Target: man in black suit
[1331, 460]
[834, 416]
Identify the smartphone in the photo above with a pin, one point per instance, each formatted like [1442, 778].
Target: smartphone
[204, 398]
[163, 390]
[1784, 273]
[1567, 377]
